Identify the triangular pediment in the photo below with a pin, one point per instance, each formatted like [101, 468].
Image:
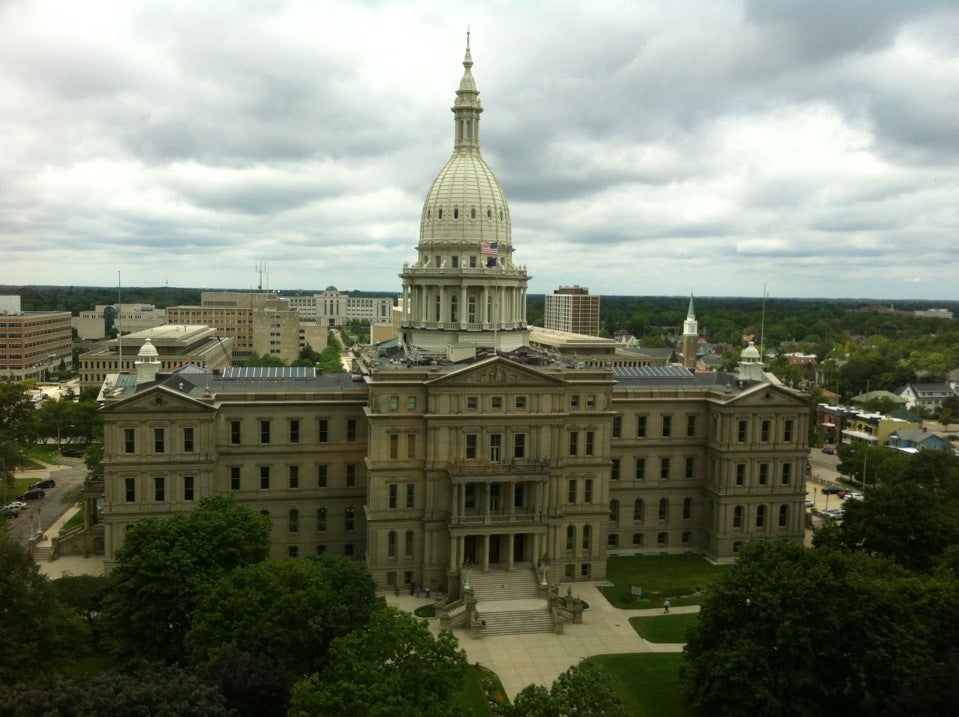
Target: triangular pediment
[768, 395]
[158, 399]
[497, 371]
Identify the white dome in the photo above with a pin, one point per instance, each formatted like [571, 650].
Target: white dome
[750, 352]
[148, 350]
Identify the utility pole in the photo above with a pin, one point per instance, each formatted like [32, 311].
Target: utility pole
[260, 269]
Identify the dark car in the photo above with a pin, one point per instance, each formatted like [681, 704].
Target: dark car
[73, 451]
[832, 490]
[44, 483]
[8, 512]
[31, 494]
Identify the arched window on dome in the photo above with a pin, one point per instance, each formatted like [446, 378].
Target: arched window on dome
[456, 212]
[501, 215]
[429, 213]
[471, 309]
[454, 308]
[489, 213]
[473, 213]
[438, 308]
[439, 213]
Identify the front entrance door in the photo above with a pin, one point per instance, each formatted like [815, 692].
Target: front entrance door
[494, 552]
[519, 548]
[469, 549]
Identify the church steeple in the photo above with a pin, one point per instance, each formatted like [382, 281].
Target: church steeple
[467, 108]
[690, 337]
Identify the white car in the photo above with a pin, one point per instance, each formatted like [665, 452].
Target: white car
[17, 505]
[855, 495]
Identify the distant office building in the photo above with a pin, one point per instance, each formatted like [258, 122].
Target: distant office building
[934, 313]
[176, 345]
[258, 322]
[32, 342]
[127, 318]
[333, 308]
[572, 309]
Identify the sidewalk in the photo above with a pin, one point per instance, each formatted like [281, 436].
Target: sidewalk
[539, 658]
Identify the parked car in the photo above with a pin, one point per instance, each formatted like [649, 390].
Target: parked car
[31, 494]
[854, 495]
[44, 483]
[810, 503]
[8, 512]
[835, 513]
[829, 450]
[73, 451]
[832, 490]
[18, 504]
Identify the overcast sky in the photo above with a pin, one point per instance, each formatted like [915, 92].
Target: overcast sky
[651, 148]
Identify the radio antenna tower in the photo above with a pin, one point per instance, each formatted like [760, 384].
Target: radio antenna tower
[260, 269]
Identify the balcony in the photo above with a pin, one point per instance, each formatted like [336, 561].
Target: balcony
[525, 467]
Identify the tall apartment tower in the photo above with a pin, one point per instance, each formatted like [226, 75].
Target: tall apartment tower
[690, 344]
[572, 309]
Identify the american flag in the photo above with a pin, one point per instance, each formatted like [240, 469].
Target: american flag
[489, 248]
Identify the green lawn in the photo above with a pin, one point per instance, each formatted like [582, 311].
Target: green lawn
[472, 700]
[664, 628]
[647, 683]
[681, 578]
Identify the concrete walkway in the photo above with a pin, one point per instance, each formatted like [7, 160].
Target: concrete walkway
[539, 658]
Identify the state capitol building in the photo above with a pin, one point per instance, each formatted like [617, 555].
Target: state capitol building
[465, 446]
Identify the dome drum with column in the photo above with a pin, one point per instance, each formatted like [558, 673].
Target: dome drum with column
[464, 289]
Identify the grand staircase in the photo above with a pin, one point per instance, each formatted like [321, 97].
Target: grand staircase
[509, 602]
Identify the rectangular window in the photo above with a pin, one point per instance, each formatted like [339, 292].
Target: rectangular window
[472, 402]
[294, 521]
[787, 473]
[588, 490]
[394, 446]
[640, 469]
[690, 426]
[234, 433]
[741, 432]
[158, 440]
[472, 441]
[323, 431]
[159, 488]
[264, 477]
[519, 445]
[294, 476]
[411, 445]
[394, 403]
[264, 431]
[641, 426]
[690, 465]
[322, 473]
[351, 475]
[348, 550]
[571, 491]
[764, 431]
[740, 474]
[574, 401]
[351, 429]
[391, 544]
[590, 400]
[129, 440]
[590, 438]
[687, 508]
[495, 445]
[294, 431]
[667, 426]
[687, 536]
[130, 489]
[187, 487]
[292, 551]
[234, 477]
[573, 442]
[496, 402]
[408, 544]
[787, 431]
[188, 440]
[520, 402]
[614, 469]
[393, 488]
[321, 520]
[763, 473]
[617, 426]
[664, 468]
[662, 538]
[411, 403]
[410, 495]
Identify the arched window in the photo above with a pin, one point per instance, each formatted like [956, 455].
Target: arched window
[391, 544]
[294, 520]
[663, 508]
[489, 213]
[783, 515]
[350, 519]
[586, 537]
[639, 507]
[429, 213]
[456, 212]
[614, 510]
[760, 516]
[321, 520]
[471, 309]
[570, 537]
[438, 307]
[408, 544]
[454, 308]
[687, 508]
[473, 213]
[738, 516]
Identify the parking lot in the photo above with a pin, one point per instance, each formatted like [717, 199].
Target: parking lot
[41, 513]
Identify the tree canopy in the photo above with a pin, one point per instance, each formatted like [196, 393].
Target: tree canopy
[792, 631]
[165, 568]
[584, 690]
[285, 611]
[394, 667]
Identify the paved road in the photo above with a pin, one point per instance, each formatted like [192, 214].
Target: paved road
[46, 510]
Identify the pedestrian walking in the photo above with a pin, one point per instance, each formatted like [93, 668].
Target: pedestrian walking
[666, 607]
